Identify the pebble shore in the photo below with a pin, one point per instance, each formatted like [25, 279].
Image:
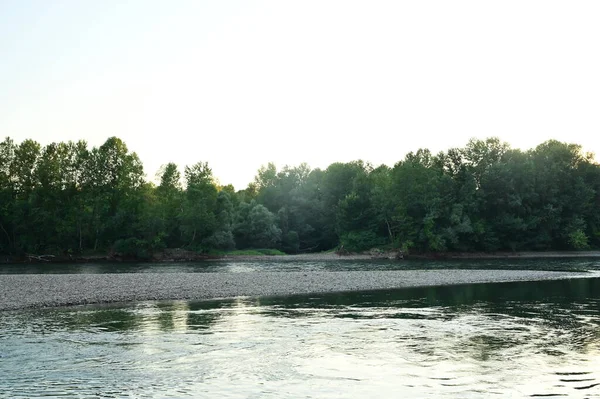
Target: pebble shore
[20, 291]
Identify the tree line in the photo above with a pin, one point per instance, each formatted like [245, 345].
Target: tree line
[487, 196]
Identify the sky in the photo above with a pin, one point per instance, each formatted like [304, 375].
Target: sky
[238, 84]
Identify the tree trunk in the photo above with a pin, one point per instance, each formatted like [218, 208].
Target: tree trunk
[7, 235]
[193, 238]
[389, 231]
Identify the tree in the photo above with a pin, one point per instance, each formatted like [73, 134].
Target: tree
[112, 179]
[422, 193]
[66, 198]
[222, 237]
[256, 227]
[170, 203]
[198, 220]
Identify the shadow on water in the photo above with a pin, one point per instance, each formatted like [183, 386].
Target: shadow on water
[567, 292]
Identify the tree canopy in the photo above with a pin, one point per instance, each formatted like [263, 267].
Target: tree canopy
[487, 196]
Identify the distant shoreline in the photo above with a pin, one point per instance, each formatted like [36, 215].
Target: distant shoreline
[510, 255]
[428, 256]
[189, 256]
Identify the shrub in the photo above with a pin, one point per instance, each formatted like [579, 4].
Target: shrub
[360, 241]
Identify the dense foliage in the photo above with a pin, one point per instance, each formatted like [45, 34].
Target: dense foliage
[67, 198]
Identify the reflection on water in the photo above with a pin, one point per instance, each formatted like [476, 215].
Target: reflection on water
[507, 340]
[565, 264]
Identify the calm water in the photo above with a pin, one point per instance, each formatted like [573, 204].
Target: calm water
[295, 265]
[486, 340]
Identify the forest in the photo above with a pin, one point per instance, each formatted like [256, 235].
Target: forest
[67, 198]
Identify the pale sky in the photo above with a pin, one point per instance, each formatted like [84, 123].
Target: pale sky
[242, 83]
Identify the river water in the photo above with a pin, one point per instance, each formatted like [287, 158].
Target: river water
[525, 339]
[556, 264]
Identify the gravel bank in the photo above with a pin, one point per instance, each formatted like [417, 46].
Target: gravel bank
[44, 290]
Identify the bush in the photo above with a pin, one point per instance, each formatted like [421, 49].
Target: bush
[220, 240]
[578, 240]
[356, 241]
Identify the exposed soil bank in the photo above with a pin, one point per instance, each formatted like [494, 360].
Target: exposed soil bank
[19, 291]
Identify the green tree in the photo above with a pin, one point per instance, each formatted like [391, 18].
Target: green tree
[256, 227]
[170, 204]
[198, 219]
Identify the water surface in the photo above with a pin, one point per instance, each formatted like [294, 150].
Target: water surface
[236, 266]
[523, 339]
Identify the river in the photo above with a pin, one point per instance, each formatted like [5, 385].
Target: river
[522, 339]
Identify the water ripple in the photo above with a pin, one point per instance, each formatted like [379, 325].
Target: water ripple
[506, 340]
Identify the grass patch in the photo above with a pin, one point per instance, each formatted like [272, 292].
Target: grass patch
[247, 252]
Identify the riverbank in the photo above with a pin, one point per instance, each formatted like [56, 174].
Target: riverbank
[20, 291]
[325, 256]
[180, 255]
[508, 255]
